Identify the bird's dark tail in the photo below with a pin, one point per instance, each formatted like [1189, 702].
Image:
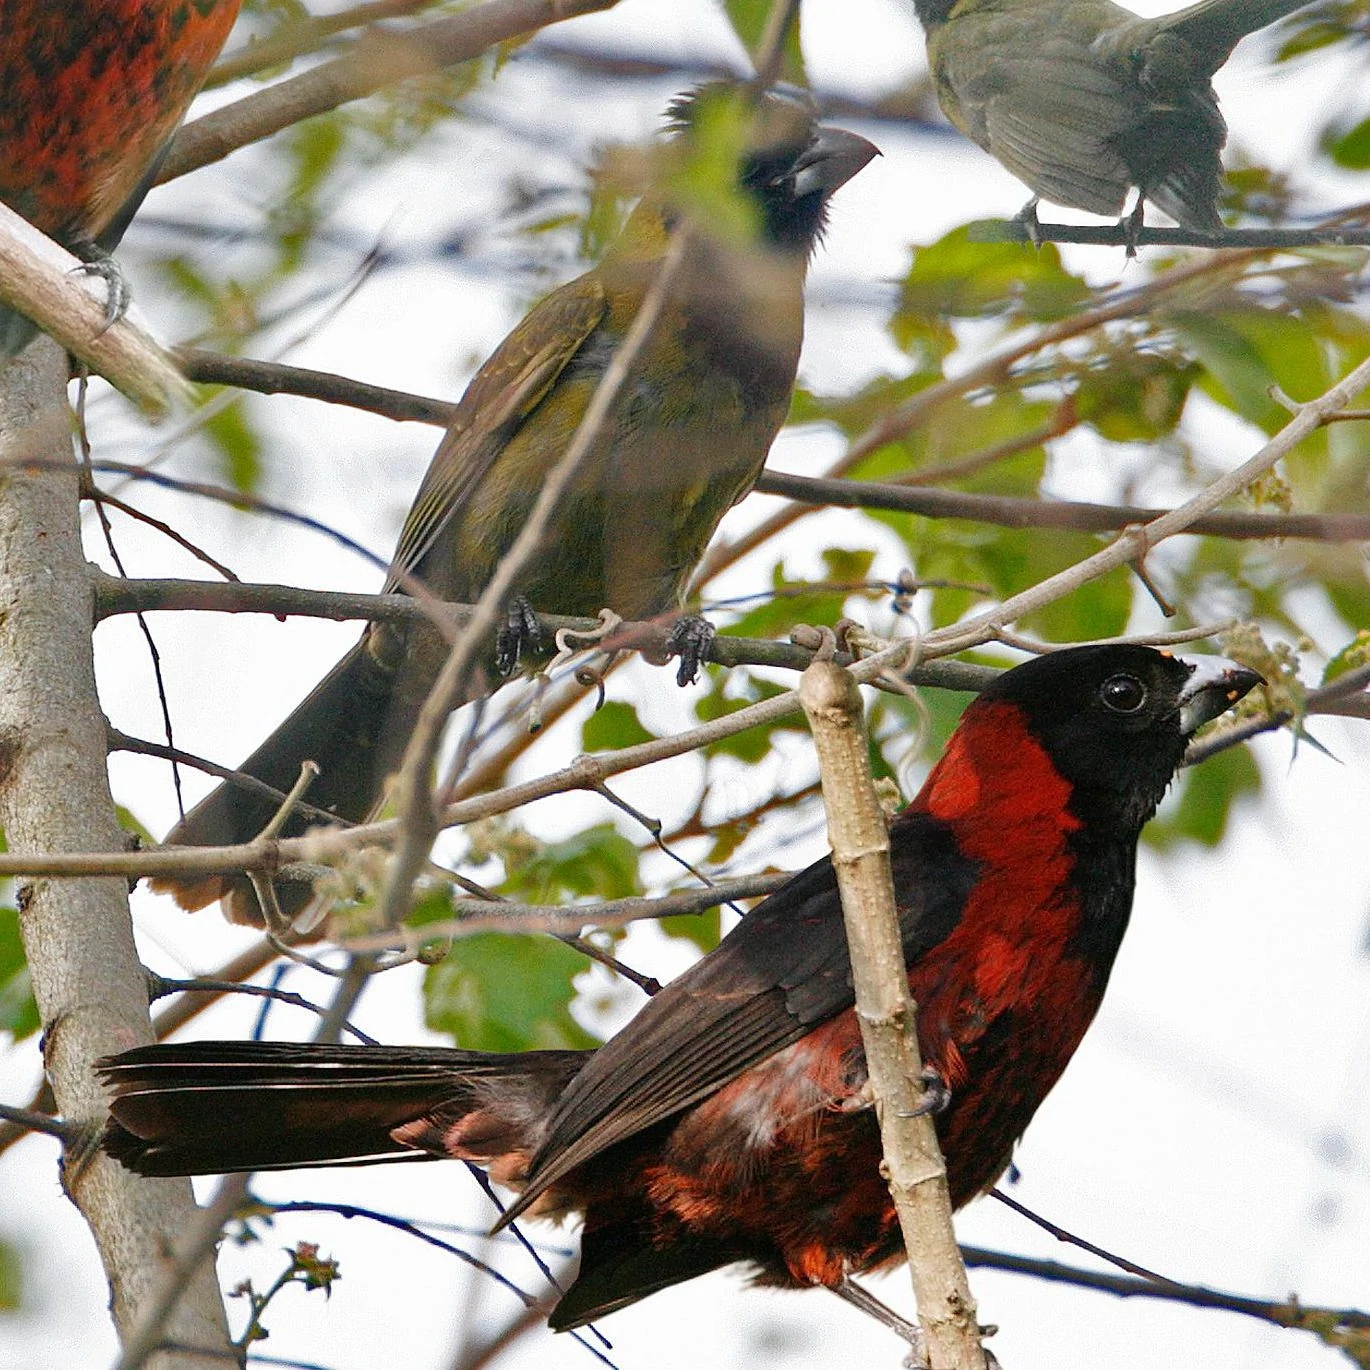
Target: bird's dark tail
[346, 726]
[206, 1108]
[1213, 28]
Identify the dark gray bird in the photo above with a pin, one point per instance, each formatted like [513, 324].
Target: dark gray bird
[1083, 100]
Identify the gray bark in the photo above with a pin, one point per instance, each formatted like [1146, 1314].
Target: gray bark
[54, 796]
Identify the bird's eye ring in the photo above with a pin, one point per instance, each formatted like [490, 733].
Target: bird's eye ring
[1124, 694]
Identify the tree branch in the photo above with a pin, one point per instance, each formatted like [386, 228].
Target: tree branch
[276, 378]
[1011, 512]
[991, 371]
[54, 794]
[1123, 235]
[1335, 1326]
[859, 835]
[42, 281]
[378, 59]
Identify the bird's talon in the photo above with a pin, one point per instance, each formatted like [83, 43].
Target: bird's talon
[690, 641]
[118, 292]
[1032, 225]
[521, 633]
[936, 1094]
[1132, 225]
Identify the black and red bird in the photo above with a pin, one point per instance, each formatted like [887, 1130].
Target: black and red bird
[728, 1121]
[90, 93]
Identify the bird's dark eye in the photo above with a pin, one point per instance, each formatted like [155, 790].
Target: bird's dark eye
[1124, 694]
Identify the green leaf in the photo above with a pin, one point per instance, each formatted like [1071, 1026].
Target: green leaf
[964, 279]
[239, 447]
[751, 745]
[596, 862]
[1246, 352]
[1352, 657]
[1135, 396]
[18, 1012]
[131, 823]
[613, 725]
[793, 601]
[501, 993]
[699, 929]
[749, 19]
[1207, 794]
[1350, 148]
[11, 1279]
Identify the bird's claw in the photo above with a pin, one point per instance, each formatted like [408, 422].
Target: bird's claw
[936, 1094]
[520, 633]
[1032, 225]
[118, 292]
[1132, 225]
[690, 640]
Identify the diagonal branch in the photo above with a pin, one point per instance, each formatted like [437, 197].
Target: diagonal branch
[380, 58]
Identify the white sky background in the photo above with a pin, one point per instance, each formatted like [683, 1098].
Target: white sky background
[1215, 1125]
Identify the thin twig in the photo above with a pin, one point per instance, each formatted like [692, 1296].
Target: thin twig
[1323, 1322]
[1124, 235]
[1008, 511]
[379, 59]
[194, 1248]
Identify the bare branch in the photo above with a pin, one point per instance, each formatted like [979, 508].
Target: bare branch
[378, 59]
[54, 793]
[1136, 542]
[859, 834]
[499, 915]
[192, 1249]
[1123, 235]
[41, 280]
[299, 37]
[276, 378]
[1008, 511]
[1336, 1326]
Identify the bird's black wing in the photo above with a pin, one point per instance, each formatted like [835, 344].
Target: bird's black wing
[780, 973]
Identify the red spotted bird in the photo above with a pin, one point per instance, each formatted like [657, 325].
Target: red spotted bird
[91, 92]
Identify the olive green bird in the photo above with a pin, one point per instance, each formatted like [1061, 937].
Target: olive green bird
[1083, 100]
[685, 440]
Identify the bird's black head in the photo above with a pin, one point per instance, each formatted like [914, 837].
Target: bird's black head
[790, 165]
[1115, 720]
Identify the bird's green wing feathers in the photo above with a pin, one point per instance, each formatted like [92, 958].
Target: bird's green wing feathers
[511, 384]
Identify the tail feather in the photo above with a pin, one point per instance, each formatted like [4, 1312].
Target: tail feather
[213, 1107]
[1214, 27]
[336, 727]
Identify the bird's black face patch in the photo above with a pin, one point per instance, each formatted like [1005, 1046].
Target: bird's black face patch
[1109, 719]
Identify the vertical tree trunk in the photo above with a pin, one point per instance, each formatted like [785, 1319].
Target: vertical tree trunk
[54, 796]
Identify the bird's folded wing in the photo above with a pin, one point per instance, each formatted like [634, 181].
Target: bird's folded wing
[503, 393]
[781, 972]
[1060, 142]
